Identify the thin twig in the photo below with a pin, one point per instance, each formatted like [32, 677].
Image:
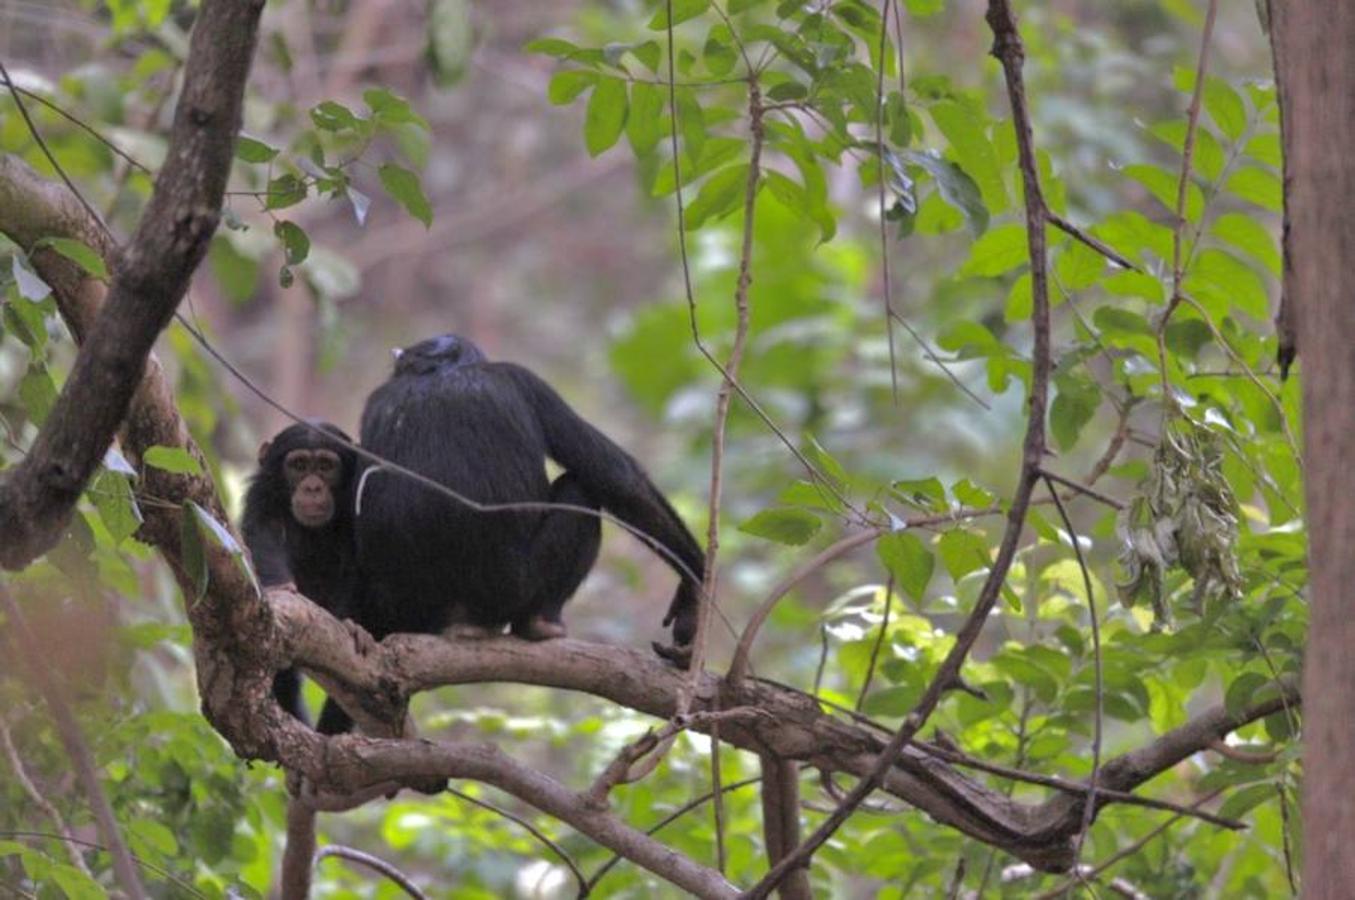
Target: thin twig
[1089, 810]
[533, 831]
[375, 863]
[879, 642]
[1080, 488]
[1131, 850]
[80, 123]
[668, 820]
[47, 152]
[43, 804]
[738, 667]
[1182, 192]
[724, 396]
[938, 361]
[1092, 241]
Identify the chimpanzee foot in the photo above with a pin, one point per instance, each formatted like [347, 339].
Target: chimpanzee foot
[679, 655]
[465, 631]
[363, 642]
[539, 628]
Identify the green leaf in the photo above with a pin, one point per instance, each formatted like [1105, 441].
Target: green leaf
[1265, 148]
[973, 151]
[296, 245]
[115, 501]
[37, 392]
[1242, 692]
[1250, 236]
[785, 525]
[644, 122]
[568, 84]
[172, 459]
[908, 561]
[956, 187]
[719, 53]
[1225, 107]
[606, 115]
[1078, 266]
[334, 116]
[76, 885]
[1257, 186]
[900, 124]
[923, 9]
[716, 153]
[284, 191]
[997, 252]
[1222, 282]
[893, 701]
[927, 494]
[962, 552]
[551, 46]
[389, 108]
[692, 123]
[682, 11]
[719, 195]
[798, 200]
[403, 186]
[1243, 801]
[247, 149]
[1162, 185]
[79, 253]
[1074, 405]
[451, 39]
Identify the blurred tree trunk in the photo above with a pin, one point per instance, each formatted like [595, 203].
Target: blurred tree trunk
[1315, 71]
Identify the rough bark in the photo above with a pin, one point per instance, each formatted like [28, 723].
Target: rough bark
[1315, 72]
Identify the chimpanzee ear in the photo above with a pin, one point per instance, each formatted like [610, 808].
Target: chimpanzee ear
[263, 451]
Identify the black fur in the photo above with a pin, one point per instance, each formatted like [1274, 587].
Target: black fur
[485, 429]
[319, 561]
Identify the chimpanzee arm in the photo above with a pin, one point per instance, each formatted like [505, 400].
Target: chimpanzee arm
[613, 479]
[266, 538]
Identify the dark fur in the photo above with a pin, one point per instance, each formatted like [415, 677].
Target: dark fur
[484, 429]
[319, 561]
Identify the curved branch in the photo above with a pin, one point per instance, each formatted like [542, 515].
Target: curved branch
[792, 724]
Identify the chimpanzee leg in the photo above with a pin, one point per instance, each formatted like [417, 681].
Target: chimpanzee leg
[563, 551]
[287, 691]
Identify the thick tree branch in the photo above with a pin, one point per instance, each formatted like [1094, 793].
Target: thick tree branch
[792, 725]
[149, 278]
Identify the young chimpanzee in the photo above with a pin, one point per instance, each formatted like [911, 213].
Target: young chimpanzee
[484, 429]
[298, 525]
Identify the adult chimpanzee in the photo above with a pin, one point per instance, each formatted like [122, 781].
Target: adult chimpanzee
[485, 429]
[298, 525]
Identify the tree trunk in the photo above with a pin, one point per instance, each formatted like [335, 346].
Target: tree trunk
[1315, 71]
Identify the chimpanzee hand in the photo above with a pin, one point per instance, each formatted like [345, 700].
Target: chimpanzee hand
[682, 615]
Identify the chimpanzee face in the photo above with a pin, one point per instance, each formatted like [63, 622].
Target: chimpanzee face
[312, 477]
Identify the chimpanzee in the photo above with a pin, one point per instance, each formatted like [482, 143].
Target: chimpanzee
[485, 429]
[298, 525]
